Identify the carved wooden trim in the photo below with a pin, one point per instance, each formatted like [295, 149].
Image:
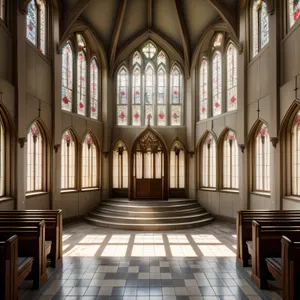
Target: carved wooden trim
[22, 141]
[274, 141]
[242, 147]
[56, 147]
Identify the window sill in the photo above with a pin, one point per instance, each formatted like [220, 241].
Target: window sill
[42, 55]
[263, 194]
[229, 191]
[208, 189]
[34, 194]
[293, 198]
[259, 54]
[291, 30]
[80, 116]
[4, 199]
[68, 191]
[154, 126]
[90, 189]
[227, 113]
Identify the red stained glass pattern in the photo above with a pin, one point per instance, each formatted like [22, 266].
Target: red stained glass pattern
[203, 90]
[217, 83]
[231, 78]
[94, 89]
[81, 83]
[67, 77]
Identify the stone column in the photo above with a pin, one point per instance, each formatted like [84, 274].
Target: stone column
[57, 116]
[20, 54]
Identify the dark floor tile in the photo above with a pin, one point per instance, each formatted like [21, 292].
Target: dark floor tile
[122, 270]
[166, 282]
[131, 282]
[178, 282]
[120, 275]
[110, 276]
[182, 298]
[118, 291]
[143, 282]
[155, 282]
[132, 276]
[188, 276]
[165, 270]
[144, 269]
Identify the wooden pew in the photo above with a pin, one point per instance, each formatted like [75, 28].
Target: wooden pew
[13, 269]
[286, 269]
[266, 242]
[244, 227]
[56, 250]
[51, 232]
[31, 243]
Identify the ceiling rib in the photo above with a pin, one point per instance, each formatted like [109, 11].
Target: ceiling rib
[150, 13]
[226, 13]
[184, 36]
[117, 30]
[72, 15]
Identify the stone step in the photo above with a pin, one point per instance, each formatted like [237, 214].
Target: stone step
[149, 227]
[149, 220]
[129, 213]
[149, 215]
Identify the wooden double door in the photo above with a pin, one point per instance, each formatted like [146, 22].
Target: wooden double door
[149, 168]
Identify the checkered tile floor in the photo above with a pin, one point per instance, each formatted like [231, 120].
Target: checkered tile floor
[107, 264]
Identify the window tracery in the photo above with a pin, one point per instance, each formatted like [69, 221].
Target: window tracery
[152, 99]
[296, 156]
[120, 166]
[203, 90]
[177, 166]
[208, 162]
[231, 78]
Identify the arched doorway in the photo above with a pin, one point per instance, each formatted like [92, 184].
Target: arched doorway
[149, 167]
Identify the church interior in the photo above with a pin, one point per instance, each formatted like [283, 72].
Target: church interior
[149, 149]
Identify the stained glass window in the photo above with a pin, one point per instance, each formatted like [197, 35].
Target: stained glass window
[120, 166]
[94, 89]
[136, 95]
[80, 42]
[67, 161]
[161, 58]
[122, 90]
[260, 26]
[294, 11]
[149, 93]
[203, 90]
[2, 9]
[2, 159]
[218, 40]
[35, 159]
[262, 159]
[161, 96]
[230, 162]
[296, 156]
[89, 163]
[136, 59]
[42, 24]
[149, 50]
[208, 161]
[67, 77]
[217, 83]
[177, 166]
[231, 78]
[32, 22]
[81, 83]
[176, 94]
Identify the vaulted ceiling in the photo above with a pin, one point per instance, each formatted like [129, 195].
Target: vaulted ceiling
[180, 22]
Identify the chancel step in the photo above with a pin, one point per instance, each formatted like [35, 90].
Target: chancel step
[149, 215]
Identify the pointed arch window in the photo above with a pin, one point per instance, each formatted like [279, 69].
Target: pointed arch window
[161, 58]
[136, 59]
[176, 96]
[296, 156]
[294, 11]
[81, 83]
[136, 95]
[89, 163]
[231, 78]
[2, 159]
[217, 83]
[68, 158]
[67, 77]
[203, 90]
[94, 89]
[260, 26]
[36, 24]
[161, 96]
[208, 162]
[177, 166]
[2, 9]
[230, 161]
[35, 159]
[120, 166]
[122, 98]
[149, 93]
[262, 159]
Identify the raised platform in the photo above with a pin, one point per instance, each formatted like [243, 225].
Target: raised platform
[149, 215]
